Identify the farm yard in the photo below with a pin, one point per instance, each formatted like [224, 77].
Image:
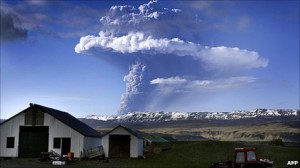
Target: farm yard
[38, 129]
[174, 155]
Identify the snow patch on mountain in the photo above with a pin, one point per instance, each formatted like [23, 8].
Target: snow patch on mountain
[171, 116]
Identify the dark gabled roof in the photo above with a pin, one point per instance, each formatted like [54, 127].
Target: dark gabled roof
[152, 137]
[66, 118]
[127, 129]
[6, 120]
[71, 121]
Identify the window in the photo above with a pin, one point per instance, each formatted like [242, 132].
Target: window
[251, 156]
[10, 142]
[56, 142]
[240, 157]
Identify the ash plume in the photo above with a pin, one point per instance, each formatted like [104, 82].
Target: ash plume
[180, 69]
[134, 83]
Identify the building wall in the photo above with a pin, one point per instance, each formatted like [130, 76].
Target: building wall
[10, 129]
[105, 145]
[140, 149]
[136, 144]
[58, 129]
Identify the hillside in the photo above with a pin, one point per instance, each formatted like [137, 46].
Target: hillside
[256, 125]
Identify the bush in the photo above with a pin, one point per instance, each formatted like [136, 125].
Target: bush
[277, 142]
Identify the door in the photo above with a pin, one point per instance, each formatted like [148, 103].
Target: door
[65, 146]
[33, 140]
[119, 145]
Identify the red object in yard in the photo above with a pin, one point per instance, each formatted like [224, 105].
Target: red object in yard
[244, 158]
[70, 155]
[245, 155]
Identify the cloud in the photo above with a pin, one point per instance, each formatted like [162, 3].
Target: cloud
[70, 20]
[200, 85]
[131, 43]
[119, 20]
[168, 81]
[11, 28]
[208, 8]
[37, 2]
[167, 95]
[134, 82]
[213, 57]
[243, 23]
[18, 19]
[167, 41]
[226, 57]
[230, 82]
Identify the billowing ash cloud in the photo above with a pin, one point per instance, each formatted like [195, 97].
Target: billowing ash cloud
[176, 67]
[218, 57]
[123, 19]
[134, 82]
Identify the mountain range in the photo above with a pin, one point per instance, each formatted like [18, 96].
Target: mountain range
[260, 125]
[136, 117]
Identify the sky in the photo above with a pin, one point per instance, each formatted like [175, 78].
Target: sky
[115, 57]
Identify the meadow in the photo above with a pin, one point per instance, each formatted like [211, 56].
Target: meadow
[203, 153]
[190, 154]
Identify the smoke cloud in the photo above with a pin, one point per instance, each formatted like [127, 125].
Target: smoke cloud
[176, 67]
[219, 57]
[134, 84]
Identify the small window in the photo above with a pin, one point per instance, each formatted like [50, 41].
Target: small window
[251, 156]
[10, 142]
[56, 142]
[240, 157]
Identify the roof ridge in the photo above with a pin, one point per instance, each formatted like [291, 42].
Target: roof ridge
[69, 120]
[126, 128]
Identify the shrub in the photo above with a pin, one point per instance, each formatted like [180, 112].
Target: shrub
[277, 142]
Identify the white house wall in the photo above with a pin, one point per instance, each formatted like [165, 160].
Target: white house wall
[10, 129]
[136, 144]
[58, 129]
[140, 150]
[105, 144]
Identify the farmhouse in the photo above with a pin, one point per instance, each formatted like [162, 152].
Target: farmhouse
[41, 129]
[122, 142]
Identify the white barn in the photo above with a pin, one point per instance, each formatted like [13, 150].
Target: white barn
[41, 129]
[122, 142]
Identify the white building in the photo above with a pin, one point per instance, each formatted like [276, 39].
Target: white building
[41, 129]
[122, 142]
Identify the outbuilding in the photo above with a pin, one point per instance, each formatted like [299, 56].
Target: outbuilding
[122, 142]
[41, 129]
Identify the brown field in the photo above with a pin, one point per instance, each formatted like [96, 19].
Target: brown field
[257, 132]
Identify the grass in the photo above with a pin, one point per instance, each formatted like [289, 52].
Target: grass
[181, 155]
[203, 153]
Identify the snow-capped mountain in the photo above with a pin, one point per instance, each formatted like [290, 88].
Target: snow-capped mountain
[173, 116]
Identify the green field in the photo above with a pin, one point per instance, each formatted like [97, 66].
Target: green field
[202, 153]
[180, 155]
